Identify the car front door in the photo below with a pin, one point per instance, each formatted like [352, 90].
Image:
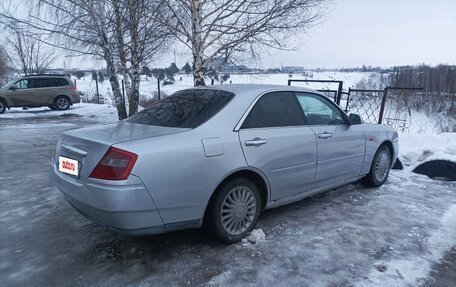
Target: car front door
[341, 146]
[276, 141]
[21, 93]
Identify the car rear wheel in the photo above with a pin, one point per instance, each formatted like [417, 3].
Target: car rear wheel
[381, 165]
[62, 103]
[2, 106]
[235, 210]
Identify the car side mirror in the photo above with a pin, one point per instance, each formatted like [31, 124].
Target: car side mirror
[355, 119]
[13, 88]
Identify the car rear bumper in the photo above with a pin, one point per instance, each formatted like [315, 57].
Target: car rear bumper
[126, 208]
[76, 99]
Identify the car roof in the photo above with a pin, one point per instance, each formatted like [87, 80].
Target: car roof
[254, 89]
[44, 76]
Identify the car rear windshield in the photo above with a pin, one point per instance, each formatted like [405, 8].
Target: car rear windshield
[184, 109]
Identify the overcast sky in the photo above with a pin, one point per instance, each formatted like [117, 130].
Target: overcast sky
[371, 32]
[379, 33]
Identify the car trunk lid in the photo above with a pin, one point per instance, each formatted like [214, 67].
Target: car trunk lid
[89, 145]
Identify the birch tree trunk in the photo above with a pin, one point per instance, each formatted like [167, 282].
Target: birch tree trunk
[121, 47]
[108, 56]
[197, 44]
[120, 104]
[133, 94]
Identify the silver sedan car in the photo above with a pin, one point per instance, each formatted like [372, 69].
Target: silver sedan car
[217, 156]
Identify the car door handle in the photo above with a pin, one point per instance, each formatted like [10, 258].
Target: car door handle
[325, 135]
[255, 142]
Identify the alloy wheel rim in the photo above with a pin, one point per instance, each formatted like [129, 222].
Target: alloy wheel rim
[238, 210]
[62, 103]
[1, 106]
[382, 165]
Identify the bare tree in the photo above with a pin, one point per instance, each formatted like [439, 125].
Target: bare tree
[78, 26]
[140, 37]
[4, 65]
[123, 33]
[227, 29]
[27, 55]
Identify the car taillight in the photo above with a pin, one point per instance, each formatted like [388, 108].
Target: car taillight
[116, 164]
[74, 88]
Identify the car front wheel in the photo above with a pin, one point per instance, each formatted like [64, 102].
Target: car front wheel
[62, 103]
[381, 165]
[235, 210]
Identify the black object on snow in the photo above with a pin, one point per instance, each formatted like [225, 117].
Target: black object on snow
[438, 169]
[398, 165]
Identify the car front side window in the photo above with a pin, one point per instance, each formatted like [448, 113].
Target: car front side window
[319, 111]
[22, 84]
[276, 109]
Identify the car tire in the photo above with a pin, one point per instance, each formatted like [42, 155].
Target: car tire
[52, 107]
[2, 106]
[235, 210]
[380, 167]
[62, 103]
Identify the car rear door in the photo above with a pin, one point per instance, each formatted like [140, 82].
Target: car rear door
[45, 90]
[341, 146]
[276, 141]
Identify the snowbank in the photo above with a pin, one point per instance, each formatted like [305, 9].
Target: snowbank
[415, 149]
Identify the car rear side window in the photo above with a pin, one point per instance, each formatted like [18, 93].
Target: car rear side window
[52, 82]
[59, 82]
[277, 109]
[184, 109]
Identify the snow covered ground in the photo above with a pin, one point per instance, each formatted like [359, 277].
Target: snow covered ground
[105, 113]
[352, 236]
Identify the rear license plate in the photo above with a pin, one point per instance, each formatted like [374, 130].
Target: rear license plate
[68, 165]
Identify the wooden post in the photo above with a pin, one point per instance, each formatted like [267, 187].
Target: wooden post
[348, 100]
[98, 95]
[158, 88]
[339, 93]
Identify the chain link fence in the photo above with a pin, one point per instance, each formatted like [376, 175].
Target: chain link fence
[366, 103]
[406, 109]
[409, 110]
